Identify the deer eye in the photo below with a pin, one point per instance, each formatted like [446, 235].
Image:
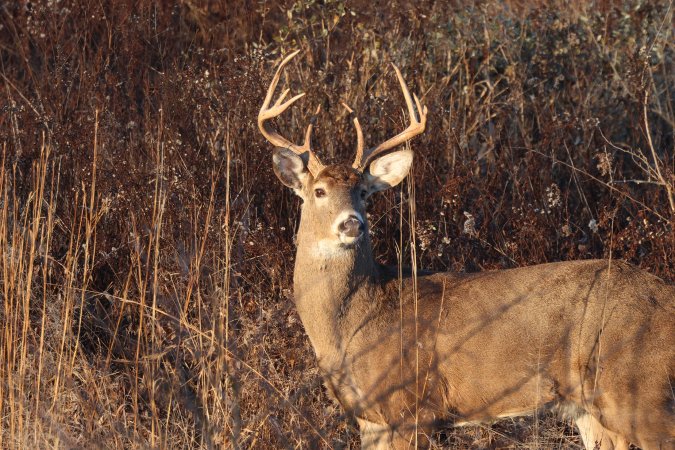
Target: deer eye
[364, 193]
[319, 193]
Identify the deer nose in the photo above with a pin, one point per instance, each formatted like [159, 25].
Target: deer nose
[352, 227]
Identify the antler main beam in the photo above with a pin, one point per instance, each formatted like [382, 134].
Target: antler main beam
[266, 113]
[417, 125]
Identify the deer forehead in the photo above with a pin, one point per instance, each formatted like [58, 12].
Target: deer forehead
[338, 176]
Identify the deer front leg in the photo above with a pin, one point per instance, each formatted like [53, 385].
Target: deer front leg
[595, 436]
[375, 436]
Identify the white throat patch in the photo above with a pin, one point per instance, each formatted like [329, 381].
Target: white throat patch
[329, 249]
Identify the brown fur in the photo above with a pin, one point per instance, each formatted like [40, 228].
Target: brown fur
[595, 339]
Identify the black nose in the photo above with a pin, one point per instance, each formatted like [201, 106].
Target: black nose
[351, 227]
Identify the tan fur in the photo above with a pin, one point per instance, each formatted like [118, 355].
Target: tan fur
[593, 338]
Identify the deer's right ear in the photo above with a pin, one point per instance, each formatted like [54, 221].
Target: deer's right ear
[290, 169]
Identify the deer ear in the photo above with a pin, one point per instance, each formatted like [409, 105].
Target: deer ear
[388, 170]
[290, 169]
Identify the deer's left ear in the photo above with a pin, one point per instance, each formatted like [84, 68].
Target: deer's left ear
[388, 170]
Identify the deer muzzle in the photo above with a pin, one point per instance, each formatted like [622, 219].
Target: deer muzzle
[351, 229]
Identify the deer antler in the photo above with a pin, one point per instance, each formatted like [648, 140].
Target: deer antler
[359, 134]
[416, 127]
[266, 113]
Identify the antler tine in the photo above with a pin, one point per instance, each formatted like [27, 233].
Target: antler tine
[314, 165]
[269, 113]
[359, 137]
[266, 113]
[416, 126]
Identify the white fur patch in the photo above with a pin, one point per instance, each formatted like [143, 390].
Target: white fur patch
[505, 415]
[348, 240]
[328, 249]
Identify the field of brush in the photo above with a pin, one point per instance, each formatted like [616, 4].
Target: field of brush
[146, 248]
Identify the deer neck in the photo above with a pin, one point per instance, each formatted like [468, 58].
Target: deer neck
[329, 288]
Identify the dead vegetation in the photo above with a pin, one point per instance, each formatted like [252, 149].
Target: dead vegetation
[146, 248]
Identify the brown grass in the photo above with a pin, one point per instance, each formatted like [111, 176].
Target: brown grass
[146, 248]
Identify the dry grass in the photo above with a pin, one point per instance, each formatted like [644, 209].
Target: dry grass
[146, 248]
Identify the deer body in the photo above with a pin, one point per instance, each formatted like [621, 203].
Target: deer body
[592, 339]
[492, 344]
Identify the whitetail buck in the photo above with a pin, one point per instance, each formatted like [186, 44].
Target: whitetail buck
[594, 340]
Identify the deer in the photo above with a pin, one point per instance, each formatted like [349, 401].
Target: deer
[404, 352]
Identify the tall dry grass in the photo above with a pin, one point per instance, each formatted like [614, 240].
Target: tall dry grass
[147, 250]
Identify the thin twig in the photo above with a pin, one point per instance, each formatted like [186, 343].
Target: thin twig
[657, 162]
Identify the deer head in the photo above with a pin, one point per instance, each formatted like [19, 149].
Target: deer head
[333, 210]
